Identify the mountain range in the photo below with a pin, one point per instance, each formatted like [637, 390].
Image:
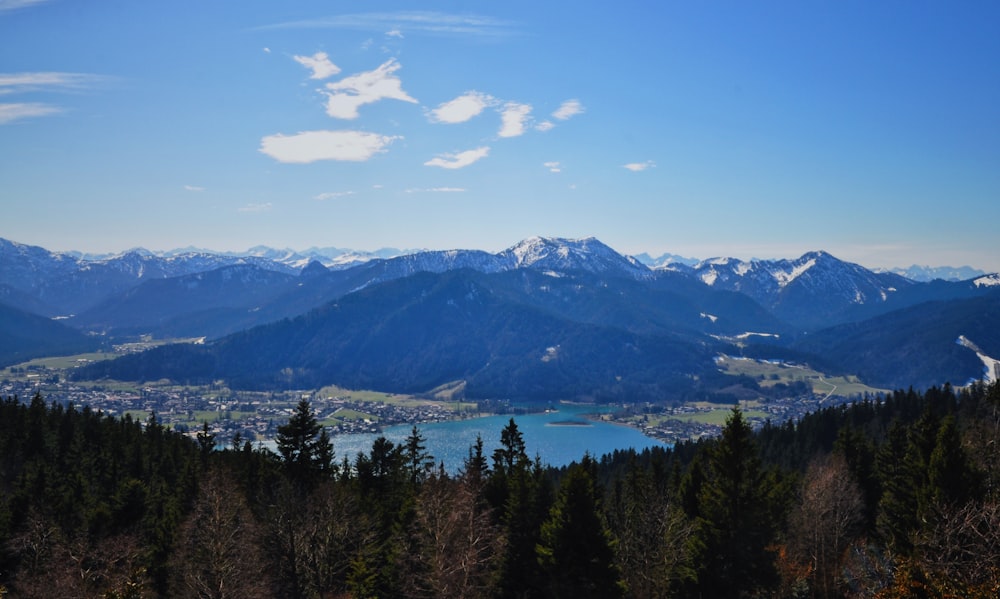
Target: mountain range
[544, 318]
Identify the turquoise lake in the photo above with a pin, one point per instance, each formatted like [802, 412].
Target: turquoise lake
[557, 444]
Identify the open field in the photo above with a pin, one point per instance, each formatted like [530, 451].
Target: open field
[772, 373]
[392, 399]
[717, 416]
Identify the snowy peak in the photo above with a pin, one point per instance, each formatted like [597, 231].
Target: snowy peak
[560, 254]
[798, 286]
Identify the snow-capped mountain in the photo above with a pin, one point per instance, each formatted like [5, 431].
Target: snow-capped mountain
[813, 290]
[807, 290]
[63, 283]
[930, 273]
[559, 254]
[666, 261]
[766, 278]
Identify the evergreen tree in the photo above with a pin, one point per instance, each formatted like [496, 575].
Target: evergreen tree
[737, 516]
[951, 477]
[206, 441]
[305, 448]
[576, 551]
[520, 495]
[418, 460]
[475, 469]
[899, 481]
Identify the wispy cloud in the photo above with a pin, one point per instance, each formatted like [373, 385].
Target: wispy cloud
[394, 33]
[256, 207]
[462, 108]
[13, 83]
[568, 109]
[332, 195]
[320, 65]
[437, 190]
[636, 167]
[193, 188]
[554, 167]
[513, 118]
[425, 22]
[44, 81]
[15, 112]
[312, 146]
[6, 5]
[544, 126]
[459, 160]
[355, 91]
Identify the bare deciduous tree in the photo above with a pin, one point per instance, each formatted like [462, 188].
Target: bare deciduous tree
[217, 554]
[53, 566]
[334, 530]
[825, 522]
[460, 547]
[961, 553]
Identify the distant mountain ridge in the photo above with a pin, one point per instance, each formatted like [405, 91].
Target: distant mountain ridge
[334, 257]
[578, 287]
[925, 274]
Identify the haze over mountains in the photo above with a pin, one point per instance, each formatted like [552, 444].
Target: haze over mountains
[546, 318]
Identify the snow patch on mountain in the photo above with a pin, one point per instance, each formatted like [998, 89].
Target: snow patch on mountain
[991, 366]
[992, 280]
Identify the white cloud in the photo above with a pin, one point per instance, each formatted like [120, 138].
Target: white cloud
[256, 207]
[568, 109]
[311, 146]
[544, 126]
[636, 167]
[394, 33]
[320, 65]
[438, 190]
[459, 160]
[462, 108]
[332, 195]
[193, 188]
[513, 118]
[14, 112]
[553, 167]
[267, 50]
[364, 88]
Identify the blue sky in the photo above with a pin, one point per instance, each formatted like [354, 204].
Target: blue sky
[750, 129]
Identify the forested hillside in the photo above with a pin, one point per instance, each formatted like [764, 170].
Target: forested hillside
[894, 496]
[26, 336]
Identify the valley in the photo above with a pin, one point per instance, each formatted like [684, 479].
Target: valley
[245, 415]
[236, 340]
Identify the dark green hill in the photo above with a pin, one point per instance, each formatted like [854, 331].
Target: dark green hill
[915, 346]
[415, 333]
[211, 303]
[24, 336]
